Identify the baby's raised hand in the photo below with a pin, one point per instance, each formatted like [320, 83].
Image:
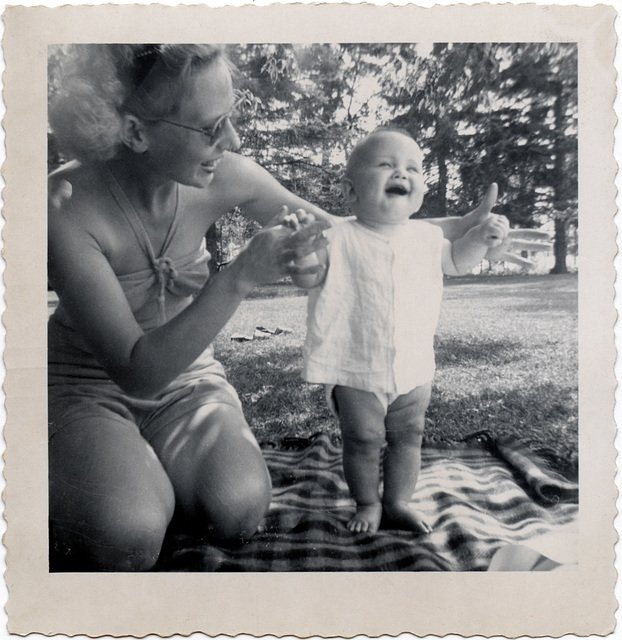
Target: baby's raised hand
[296, 220]
[59, 194]
[515, 241]
[308, 262]
[305, 238]
[493, 231]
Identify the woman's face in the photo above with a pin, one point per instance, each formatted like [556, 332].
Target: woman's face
[189, 156]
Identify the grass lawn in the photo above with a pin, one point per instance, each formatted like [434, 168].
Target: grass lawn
[507, 362]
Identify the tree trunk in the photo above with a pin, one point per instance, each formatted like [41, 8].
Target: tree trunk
[213, 241]
[442, 152]
[560, 244]
[442, 184]
[560, 247]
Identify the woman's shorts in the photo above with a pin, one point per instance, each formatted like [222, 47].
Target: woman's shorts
[88, 400]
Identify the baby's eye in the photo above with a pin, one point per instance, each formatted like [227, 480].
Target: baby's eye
[385, 164]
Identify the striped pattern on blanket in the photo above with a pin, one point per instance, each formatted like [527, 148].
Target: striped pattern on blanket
[474, 500]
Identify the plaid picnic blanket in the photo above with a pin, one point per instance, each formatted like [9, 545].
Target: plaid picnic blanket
[478, 499]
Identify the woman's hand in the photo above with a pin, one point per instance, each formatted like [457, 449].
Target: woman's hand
[300, 269]
[59, 194]
[491, 233]
[515, 241]
[280, 249]
[296, 220]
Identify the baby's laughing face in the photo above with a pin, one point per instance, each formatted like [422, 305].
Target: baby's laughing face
[384, 183]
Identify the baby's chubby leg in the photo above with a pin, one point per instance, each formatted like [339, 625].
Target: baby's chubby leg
[361, 418]
[405, 423]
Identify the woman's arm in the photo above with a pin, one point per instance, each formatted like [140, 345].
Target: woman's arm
[259, 194]
[455, 227]
[264, 196]
[462, 255]
[144, 363]
[516, 240]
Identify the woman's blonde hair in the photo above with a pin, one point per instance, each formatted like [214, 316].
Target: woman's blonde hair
[99, 83]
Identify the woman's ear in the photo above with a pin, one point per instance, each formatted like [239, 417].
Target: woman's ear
[133, 134]
[347, 188]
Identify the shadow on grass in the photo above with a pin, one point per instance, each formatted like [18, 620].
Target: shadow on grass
[278, 403]
[519, 294]
[279, 290]
[458, 351]
[544, 416]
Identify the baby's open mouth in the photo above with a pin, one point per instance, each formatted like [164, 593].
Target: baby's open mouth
[397, 190]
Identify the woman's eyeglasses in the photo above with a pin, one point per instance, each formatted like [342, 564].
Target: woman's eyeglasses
[211, 134]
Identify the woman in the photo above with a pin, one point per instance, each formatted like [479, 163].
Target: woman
[142, 420]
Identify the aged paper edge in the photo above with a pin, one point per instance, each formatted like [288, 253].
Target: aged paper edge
[579, 602]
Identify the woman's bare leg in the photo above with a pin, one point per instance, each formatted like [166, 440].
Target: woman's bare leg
[219, 476]
[110, 500]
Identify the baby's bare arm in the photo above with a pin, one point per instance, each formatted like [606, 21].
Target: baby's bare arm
[462, 255]
[515, 241]
[310, 280]
[304, 270]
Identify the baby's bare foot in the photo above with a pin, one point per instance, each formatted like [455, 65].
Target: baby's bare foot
[402, 515]
[366, 519]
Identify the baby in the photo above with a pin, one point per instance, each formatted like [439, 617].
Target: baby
[372, 316]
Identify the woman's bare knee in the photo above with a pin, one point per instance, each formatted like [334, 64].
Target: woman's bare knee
[110, 500]
[237, 519]
[221, 481]
[134, 543]
[237, 493]
[112, 539]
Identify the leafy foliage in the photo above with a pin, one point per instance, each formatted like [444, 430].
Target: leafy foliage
[482, 113]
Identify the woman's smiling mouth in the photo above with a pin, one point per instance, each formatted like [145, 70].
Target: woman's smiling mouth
[211, 165]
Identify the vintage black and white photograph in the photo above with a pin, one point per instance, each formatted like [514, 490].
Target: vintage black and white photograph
[313, 309]
[249, 271]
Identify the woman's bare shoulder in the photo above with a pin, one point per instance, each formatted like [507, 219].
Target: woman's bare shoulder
[85, 181]
[235, 182]
[233, 163]
[238, 176]
[82, 208]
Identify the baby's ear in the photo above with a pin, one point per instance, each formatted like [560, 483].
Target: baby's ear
[347, 188]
